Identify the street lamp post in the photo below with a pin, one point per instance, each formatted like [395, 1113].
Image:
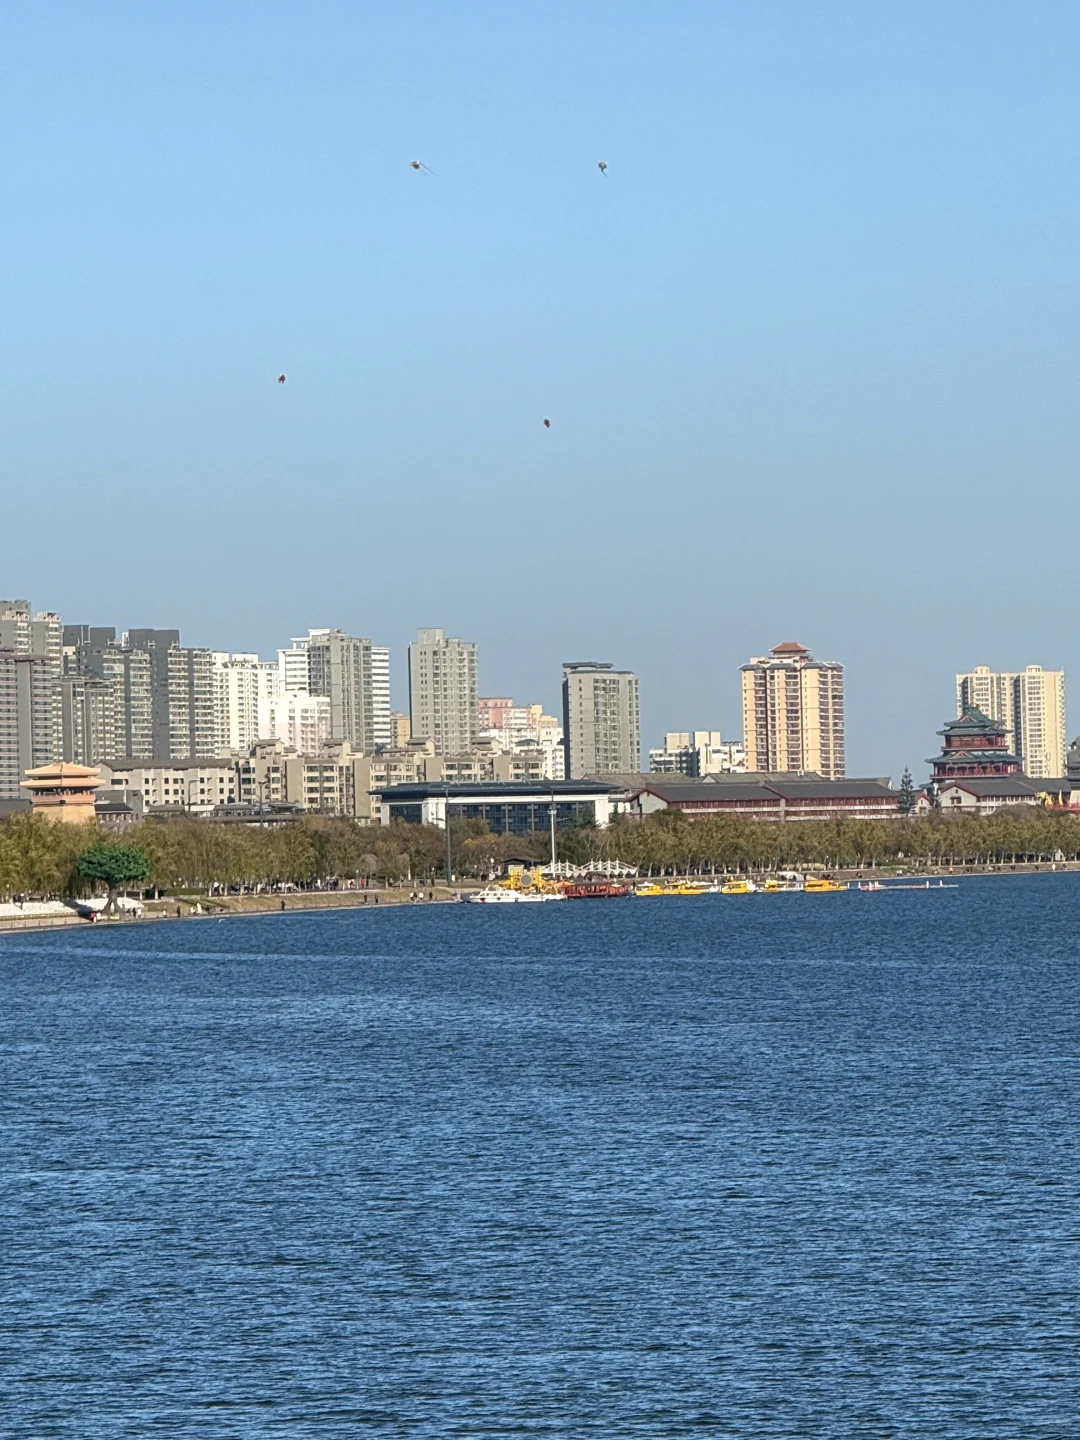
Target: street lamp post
[446, 822]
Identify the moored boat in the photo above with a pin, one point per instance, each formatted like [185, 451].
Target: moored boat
[493, 895]
[595, 890]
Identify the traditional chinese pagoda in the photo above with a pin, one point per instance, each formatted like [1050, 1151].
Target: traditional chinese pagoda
[63, 791]
[975, 747]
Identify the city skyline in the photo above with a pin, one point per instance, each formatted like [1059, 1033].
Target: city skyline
[390, 679]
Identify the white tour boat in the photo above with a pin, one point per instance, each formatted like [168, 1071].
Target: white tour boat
[494, 896]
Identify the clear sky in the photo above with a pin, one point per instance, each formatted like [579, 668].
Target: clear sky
[809, 349]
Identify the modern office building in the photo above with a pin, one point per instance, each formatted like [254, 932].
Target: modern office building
[697, 753]
[1030, 704]
[507, 808]
[601, 719]
[793, 713]
[442, 691]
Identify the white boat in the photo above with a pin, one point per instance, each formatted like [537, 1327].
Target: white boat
[494, 896]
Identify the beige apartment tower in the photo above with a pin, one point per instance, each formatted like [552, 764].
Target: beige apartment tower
[1030, 703]
[442, 692]
[601, 720]
[793, 712]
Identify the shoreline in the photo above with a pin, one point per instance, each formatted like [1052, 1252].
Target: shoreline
[236, 907]
[304, 902]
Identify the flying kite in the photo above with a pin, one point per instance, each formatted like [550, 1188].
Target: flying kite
[547, 424]
[601, 165]
[419, 165]
[281, 379]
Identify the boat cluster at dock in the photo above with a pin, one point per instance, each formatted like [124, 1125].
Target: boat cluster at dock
[533, 887]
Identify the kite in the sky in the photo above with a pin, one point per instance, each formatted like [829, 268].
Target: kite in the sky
[281, 379]
[601, 165]
[547, 424]
[419, 165]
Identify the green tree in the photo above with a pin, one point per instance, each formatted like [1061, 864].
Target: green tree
[906, 801]
[113, 866]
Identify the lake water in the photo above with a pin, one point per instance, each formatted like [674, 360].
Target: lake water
[783, 1165]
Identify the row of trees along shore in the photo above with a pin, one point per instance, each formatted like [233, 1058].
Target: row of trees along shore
[40, 858]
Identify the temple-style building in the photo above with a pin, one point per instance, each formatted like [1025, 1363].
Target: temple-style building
[975, 748]
[63, 791]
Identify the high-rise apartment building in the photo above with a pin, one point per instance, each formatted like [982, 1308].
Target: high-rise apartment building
[351, 673]
[245, 687]
[183, 719]
[442, 691]
[793, 712]
[1030, 704]
[293, 668]
[382, 730]
[601, 719]
[300, 721]
[41, 635]
[29, 712]
[118, 723]
[87, 718]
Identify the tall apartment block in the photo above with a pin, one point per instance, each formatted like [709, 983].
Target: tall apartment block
[106, 700]
[382, 727]
[245, 689]
[793, 712]
[601, 719]
[28, 712]
[23, 633]
[183, 719]
[1030, 703]
[442, 692]
[352, 674]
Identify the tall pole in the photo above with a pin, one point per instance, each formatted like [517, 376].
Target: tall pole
[551, 815]
[446, 822]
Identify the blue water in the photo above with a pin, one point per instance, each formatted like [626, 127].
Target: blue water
[736, 1166]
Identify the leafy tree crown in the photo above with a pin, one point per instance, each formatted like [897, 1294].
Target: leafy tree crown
[114, 865]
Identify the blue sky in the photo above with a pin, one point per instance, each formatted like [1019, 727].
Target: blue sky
[809, 350]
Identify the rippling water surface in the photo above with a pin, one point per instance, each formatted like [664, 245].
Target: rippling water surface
[731, 1166]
